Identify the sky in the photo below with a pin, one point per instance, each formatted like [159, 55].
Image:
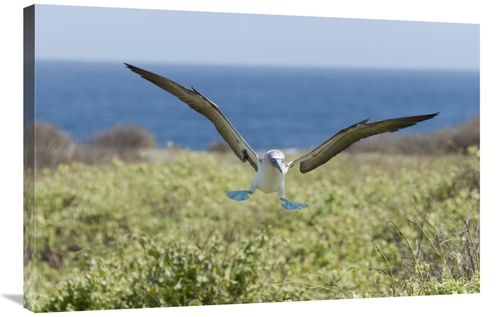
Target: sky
[133, 35]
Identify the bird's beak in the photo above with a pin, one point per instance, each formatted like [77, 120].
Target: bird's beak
[277, 164]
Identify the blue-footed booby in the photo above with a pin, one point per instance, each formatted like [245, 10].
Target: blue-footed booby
[272, 168]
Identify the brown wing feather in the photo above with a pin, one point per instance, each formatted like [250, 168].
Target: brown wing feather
[352, 134]
[207, 108]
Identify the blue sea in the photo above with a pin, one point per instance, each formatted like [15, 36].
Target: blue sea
[272, 107]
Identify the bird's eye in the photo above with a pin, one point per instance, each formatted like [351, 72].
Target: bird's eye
[273, 160]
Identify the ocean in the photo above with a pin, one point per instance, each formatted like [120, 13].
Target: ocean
[272, 107]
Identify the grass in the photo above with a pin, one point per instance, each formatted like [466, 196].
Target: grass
[161, 232]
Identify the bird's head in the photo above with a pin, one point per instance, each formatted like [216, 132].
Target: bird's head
[276, 158]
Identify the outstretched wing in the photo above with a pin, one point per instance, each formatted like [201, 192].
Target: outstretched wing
[347, 136]
[210, 110]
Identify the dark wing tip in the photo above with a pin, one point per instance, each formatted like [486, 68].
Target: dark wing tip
[196, 91]
[136, 70]
[428, 116]
[417, 119]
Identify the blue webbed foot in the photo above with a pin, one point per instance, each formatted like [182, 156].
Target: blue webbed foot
[239, 195]
[290, 205]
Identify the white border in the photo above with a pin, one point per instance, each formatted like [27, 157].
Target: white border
[477, 11]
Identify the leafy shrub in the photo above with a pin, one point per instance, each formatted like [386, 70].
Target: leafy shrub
[90, 220]
[417, 286]
[439, 257]
[174, 274]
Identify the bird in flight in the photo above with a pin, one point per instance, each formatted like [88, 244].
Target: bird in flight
[272, 168]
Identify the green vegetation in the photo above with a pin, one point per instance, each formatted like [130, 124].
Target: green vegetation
[160, 231]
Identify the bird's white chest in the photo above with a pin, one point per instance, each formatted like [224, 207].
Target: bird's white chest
[268, 179]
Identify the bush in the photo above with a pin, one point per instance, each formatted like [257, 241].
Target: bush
[124, 138]
[173, 274]
[85, 217]
[47, 146]
[439, 257]
[219, 146]
[124, 142]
